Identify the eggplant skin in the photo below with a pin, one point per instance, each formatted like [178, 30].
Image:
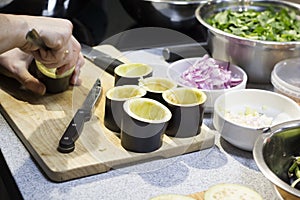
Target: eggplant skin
[53, 85]
[56, 85]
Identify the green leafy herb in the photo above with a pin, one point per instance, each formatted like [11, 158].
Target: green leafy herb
[294, 171]
[268, 25]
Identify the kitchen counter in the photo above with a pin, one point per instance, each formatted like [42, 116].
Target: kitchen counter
[185, 174]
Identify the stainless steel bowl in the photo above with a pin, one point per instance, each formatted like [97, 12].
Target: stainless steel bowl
[255, 56]
[175, 14]
[273, 154]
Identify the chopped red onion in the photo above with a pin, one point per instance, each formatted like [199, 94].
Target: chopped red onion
[208, 73]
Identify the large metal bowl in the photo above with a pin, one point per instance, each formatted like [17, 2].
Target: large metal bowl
[273, 154]
[175, 14]
[255, 56]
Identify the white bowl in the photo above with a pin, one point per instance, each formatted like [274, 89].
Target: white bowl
[176, 69]
[273, 105]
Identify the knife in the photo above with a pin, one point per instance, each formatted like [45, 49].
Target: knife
[174, 53]
[33, 37]
[102, 60]
[82, 115]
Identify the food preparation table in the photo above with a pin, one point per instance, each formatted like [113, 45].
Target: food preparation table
[184, 174]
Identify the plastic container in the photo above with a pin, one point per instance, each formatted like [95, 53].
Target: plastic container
[285, 78]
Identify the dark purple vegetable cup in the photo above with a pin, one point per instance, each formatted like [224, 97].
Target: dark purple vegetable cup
[115, 98]
[187, 108]
[143, 124]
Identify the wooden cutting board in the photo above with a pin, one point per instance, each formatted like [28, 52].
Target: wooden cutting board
[40, 122]
[198, 195]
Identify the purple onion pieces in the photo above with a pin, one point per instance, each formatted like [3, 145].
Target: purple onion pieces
[208, 73]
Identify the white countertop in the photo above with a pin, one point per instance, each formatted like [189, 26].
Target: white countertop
[185, 174]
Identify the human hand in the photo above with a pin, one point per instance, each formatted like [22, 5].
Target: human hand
[75, 79]
[15, 64]
[63, 50]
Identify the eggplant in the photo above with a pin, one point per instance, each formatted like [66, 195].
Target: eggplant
[54, 83]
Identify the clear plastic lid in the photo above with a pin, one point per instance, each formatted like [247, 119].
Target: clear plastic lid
[285, 77]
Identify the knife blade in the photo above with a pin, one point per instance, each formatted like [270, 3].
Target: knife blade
[82, 115]
[102, 60]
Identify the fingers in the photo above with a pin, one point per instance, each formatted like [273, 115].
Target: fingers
[75, 80]
[64, 50]
[15, 63]
[63, 59]
[54, 32]
[27, 80]
[32, 84]
[66, 58]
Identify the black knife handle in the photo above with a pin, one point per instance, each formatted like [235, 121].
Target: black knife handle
[108, 64]
[67, 141]
[172, 54]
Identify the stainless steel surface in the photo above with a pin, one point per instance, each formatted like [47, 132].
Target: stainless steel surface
[256, 57]
[177, 14]
[274, 152]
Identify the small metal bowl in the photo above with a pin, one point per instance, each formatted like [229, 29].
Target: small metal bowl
[256, 57]
[273, 154]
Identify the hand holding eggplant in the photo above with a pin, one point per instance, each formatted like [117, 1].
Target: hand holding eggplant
[62, 52]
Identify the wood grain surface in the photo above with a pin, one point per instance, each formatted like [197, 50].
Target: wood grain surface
[39, 122]
[198, 195]
[285, 195]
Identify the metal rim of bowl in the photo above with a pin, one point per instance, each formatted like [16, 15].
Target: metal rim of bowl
[244, 3]
[259, 159]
